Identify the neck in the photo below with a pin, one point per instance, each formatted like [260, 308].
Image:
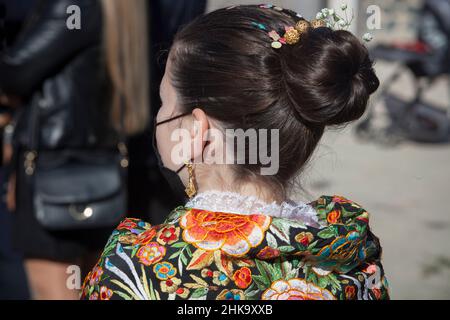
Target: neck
[222, 178]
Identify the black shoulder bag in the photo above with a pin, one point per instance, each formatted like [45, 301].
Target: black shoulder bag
[76, 189]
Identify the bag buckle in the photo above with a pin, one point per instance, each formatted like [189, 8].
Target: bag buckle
[80, 215]
[30, 162]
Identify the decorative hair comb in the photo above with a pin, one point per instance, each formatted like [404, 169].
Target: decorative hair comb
[292, 34]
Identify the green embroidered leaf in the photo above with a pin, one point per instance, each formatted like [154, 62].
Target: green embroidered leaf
[275, 271]
[183, 259]
[123, 295]
[189, 252]
[312, 245]
[280, 230]
[250, 288]
[135, 250]
[173, 256]
[292, 274]
[330, 206]
[286, 249]
[262, 282]
[200, 292]
[327, 233]
[261, 268]
[323, 282]
[294, 224]
[288, 270]
[180, 244]
[271, 241]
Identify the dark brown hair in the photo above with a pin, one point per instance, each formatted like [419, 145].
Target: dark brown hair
[225, 65]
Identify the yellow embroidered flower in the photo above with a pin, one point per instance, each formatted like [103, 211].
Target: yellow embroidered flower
[232, 233]
[296, 289]
[170, 286]
[127, 238]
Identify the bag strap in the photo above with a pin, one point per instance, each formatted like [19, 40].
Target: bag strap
[122, 144]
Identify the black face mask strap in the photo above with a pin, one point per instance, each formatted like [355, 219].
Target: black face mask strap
[179, 170]
[171, 119]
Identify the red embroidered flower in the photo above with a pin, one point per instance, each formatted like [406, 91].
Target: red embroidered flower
[304, 238]
[127, 224]
[268, 253]
[182, 292]
[350, 292]
[105, 293]
[146, 236]
[168, 235]
[96, 274]
[151, 253]
[243, 277]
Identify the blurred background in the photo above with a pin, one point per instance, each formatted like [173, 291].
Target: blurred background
[395, 162]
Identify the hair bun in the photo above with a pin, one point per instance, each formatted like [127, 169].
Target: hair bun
[330, 77]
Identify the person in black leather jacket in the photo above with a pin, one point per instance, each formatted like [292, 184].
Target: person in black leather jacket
[63, 72]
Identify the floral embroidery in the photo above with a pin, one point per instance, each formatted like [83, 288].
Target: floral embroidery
[296, 289]
[170, 285]
[128, 239]
[304, 238]
[146, 236]
[182, 293]
[105, 293]
[199, 254]
[220, 278]
[243, 278]
[232, 233]
[164, 271]
[128, 224]
[268, 253]
[94, 296]
[350, 292]
[231, 295]
[95, 275]
[168, 235]
[151, 253]
[334, 217]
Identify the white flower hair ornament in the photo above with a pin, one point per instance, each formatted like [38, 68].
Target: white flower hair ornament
[340, 21]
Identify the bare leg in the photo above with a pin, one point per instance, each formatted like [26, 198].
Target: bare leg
[47, 280]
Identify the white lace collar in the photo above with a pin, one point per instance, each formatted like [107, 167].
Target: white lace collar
[230, 202]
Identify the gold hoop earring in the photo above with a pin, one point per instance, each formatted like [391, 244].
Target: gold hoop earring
[191, 190]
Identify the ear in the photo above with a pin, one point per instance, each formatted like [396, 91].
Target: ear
[198, 133]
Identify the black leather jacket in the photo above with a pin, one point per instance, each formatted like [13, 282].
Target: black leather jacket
[61, 72]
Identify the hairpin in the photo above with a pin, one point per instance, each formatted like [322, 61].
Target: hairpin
[292, 34]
